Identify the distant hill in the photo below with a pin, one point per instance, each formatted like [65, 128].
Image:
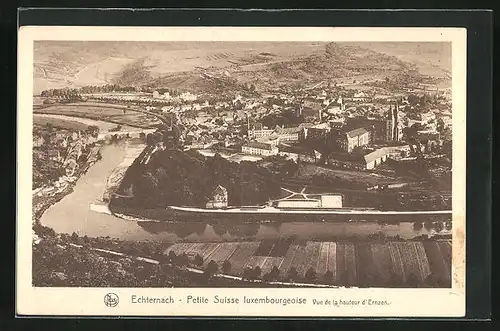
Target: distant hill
[202, 66]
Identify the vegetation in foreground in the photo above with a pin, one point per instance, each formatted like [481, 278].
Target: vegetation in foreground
[64, 260]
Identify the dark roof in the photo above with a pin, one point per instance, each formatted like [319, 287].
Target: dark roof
[291, 149]
[356, 132]
[220, 189]
[288, 130]
[360, 159]
[346, 157]
[259, 145]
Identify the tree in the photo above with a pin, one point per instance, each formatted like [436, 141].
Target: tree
[172, 256]
[247, 273]
[211, 269]
[198, 260]
[256, 272]
[310, 275]
[293, 275]
[440, 125]
[226, 266]
[274, 273]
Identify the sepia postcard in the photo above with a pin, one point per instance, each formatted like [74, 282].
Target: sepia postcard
[234, 171]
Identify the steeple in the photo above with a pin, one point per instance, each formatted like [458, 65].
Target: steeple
[389, 113]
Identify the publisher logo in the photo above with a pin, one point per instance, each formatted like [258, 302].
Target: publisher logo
[111, 300]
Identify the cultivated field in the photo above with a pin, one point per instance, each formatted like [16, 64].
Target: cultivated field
[60, 123]
[395, 263]
[104, 112]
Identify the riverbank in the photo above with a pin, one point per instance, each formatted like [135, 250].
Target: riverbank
[44, 197]
[53, 265]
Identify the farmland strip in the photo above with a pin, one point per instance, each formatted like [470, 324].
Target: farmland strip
[194, 248]
[210, 253]
[409, 258]
[322, 265]
[242, 254]
[446, 255]
[366, 268]
[270, 263]
[288, 259]
[350, 253]
[436, 261]
[383, 261]
[341, 263]
[332, 259]
[397, 262]
[299, 260]
[422, 260]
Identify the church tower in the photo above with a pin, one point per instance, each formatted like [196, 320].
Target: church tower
[392, 125]
[396, 122]
[389, 125]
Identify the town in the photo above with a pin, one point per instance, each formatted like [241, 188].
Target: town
[325, 124]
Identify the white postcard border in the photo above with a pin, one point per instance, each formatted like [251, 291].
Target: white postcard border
[420, 302]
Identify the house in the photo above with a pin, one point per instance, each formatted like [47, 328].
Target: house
[376, 127]
[289, 134]
[359, 96]
[367, 161]
[272, 140]
[354, 138]
[259, 148]
[375, 158]
[259, 131]
[309, 156]
[38, 141]
[219, 199]
[289, 152]
[317, 131]
[187, 96]
[312, 107]
[346, 160]
[447, 121]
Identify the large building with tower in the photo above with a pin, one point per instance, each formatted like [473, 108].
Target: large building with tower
[393, 128]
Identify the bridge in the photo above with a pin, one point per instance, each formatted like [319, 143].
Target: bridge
[124, 134]
[137, 133]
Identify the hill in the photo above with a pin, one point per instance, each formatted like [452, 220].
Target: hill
[206, 66]
[176, 178]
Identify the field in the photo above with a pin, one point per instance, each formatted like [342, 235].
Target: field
[60, 123]
[306, 172]
[179, 64]
[373, 264]
[104, 112]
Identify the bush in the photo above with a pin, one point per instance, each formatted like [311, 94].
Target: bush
[226, 267]
[310, 275]
[211, 269]
[198, 260]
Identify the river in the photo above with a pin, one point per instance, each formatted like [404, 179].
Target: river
[73, 214]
